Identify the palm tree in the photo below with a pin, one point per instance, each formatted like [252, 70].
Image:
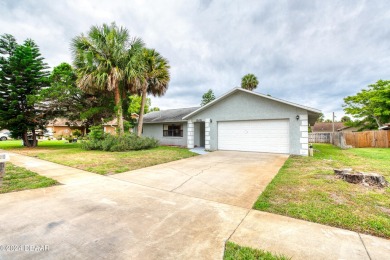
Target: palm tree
[153, 78]
[249, 82]
[103, 60]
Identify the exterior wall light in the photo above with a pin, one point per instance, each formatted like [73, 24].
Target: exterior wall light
[297, 117]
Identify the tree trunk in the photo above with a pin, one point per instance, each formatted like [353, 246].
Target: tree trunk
[119, 111]
[377, 121]
[141, 113]
[26, 142]
[34, 140]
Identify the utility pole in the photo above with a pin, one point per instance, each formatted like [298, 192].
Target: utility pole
[333, 121]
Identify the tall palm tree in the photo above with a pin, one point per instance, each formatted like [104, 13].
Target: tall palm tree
[153, 78]
[249, 82]
[102, 59]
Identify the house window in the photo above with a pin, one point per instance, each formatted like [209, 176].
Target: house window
[173, 130]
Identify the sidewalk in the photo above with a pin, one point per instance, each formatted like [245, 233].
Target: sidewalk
[301, 239]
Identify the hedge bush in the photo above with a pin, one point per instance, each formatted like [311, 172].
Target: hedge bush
[115, 143]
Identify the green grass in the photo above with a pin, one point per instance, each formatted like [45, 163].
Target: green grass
[236, 252]
[17, 178]
[100, 162]
[306, 188]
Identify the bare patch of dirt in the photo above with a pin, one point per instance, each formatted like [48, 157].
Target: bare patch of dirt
[325, 176]
[384, 210]
[338, 199]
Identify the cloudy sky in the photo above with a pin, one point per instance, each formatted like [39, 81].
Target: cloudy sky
[309, 52]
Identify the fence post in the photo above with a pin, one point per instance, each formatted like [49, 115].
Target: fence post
[3, 158]
[2, 172]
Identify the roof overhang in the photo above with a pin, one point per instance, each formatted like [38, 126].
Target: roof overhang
[169, 121]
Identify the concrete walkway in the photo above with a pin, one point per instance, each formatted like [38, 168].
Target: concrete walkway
[130, 217]
[199, 150]
[306, 240]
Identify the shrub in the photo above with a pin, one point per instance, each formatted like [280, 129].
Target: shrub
[77, 133]
[123, 143]
[97, 133]
[92, 145]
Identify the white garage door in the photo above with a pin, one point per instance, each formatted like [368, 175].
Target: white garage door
[270, 136]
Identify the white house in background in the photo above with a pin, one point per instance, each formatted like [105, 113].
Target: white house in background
[240, 120]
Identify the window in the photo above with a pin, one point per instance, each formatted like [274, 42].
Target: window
[173, 130]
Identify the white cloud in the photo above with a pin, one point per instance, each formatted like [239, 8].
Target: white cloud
[309, 52]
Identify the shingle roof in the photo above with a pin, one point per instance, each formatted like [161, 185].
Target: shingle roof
[64, 122]
[113, 122]
[170, 115]
[327, 127]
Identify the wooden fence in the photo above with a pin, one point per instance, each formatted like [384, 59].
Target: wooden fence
[377, 139]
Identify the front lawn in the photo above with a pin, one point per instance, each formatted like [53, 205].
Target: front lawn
[17, 178]
[101, 162]
[236, 252]
[307, 188]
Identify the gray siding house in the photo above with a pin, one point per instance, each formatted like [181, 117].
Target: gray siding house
[168, 126]
[240, 120]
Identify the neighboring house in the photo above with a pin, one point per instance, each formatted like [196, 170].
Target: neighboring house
[240, 120]
[64, 127]
[348, 129]
[385, 127]
[111, 126]
[325, 127]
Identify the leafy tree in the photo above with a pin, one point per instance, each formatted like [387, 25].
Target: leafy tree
[154, 109]
[104, 61]
[152, 78]
[321, 118]
[345, 119]
[370, 106]
[23, 74]
[249, 82]
[207, 97]
[135, 104]
[64, 99]
[328, 121]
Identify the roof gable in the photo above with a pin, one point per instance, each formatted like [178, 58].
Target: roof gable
[236, 90]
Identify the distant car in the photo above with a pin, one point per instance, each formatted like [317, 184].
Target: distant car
[3, 137]
[48, 134]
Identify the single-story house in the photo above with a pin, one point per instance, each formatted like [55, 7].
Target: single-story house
[240, 120]
[64, 127]
[327, 127]
[111, 126]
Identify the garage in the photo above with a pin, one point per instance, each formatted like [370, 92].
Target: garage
[243, 120]
[269, 136]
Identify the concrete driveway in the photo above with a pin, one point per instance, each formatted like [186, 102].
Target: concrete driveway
[234, 178]
[183, 209]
